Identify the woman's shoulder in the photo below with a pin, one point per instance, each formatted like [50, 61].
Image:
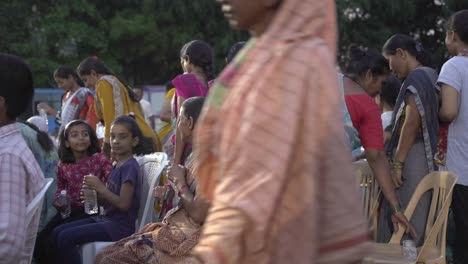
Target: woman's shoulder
[422, 73]
[99, 157]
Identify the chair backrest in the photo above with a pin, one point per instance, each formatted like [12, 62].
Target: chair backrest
[370, 193]
[33, 209]
[151, 167]
[442, 184]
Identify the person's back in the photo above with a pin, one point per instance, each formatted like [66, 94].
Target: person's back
[20, 175]
[20, 180]
[454, 74]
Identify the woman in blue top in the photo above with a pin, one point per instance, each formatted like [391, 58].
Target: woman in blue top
[121, 196]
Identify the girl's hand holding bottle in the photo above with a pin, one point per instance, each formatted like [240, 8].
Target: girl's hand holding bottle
[94, 183]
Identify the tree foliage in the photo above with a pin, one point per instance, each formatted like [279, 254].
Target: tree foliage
[370, 23]
[140, 39]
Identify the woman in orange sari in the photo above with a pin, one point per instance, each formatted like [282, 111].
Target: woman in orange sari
[279, 196]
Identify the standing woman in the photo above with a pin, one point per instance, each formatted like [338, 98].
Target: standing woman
[196, 59]
[414, 127]
[113, 99]
[453, 80]
[277, 196]
[77, 102]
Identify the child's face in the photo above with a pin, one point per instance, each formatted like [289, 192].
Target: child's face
[78, 138]
[121, 140]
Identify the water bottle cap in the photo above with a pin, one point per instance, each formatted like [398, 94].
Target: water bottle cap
[63, 192]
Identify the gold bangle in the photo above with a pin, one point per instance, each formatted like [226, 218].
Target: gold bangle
[396, 209]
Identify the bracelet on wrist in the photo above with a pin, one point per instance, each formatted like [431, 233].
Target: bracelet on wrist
[396, 209]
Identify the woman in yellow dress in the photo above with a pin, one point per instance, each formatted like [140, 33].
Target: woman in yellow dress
[113, 99]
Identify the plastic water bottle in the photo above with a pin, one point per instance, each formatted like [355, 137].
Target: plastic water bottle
[100, 130]
[65, 202]
[43, 114]
[409, 250]
[90, 202]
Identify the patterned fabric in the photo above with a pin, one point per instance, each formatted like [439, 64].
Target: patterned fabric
[116, 90]
[20, 180]
[113, 100]
[70, 175]
[48, 162]
[167, 242]
[441, 151]
[72, 105]
[280, 196]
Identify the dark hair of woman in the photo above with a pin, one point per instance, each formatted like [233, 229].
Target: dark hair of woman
[65, 153]
[234, 50]
[407, 43]
[458, 22]
[95, 64]
[16, 84]
[64, 71]
[390, 90]
[169, 85]
[200, 54]
[193, 107]
[42, 137]
[360, 61]
[145, 144]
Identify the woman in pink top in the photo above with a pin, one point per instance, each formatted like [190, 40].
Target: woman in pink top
[196, 59]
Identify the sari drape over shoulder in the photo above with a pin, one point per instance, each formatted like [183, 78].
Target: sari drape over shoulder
[280, 195]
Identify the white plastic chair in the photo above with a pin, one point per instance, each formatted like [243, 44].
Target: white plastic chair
[34, 209]
[151, 167]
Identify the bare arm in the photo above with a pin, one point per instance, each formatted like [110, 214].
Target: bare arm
[380, 168]
[450, 103]
[179, 144]
[165, 113]
[123, 201]
[409, 130]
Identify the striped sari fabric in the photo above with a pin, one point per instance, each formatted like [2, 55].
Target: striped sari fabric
[272, 157]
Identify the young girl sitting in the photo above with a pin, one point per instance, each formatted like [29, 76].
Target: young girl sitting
[121, 196]
[79, 155]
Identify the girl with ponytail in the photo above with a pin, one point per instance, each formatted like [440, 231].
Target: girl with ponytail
[414, 127]
[113, 98]
[196, 59]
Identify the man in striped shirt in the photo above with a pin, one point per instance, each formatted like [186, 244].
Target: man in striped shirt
[20, 175]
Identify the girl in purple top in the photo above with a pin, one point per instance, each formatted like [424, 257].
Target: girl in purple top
[121, 196]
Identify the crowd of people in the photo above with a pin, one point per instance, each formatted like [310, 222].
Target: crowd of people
[260, 154]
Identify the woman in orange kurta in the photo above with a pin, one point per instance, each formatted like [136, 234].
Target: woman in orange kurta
[113, 99]
[271, 148]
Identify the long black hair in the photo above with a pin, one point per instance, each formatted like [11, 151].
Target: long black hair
[359, 61]
[145, 144]
[65, 153]
[42, 137]
[200, 54]
[413, 47]
[458, 22]
[234, 50]
[95, 64]
[390, 90]
[65, 71]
